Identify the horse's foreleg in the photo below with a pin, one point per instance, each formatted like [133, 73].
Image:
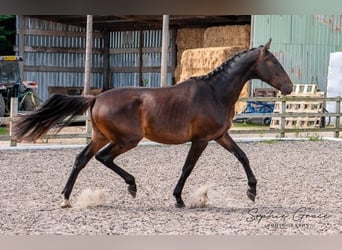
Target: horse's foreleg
[107, 156]
[193, 155]
[227, 142]
[80, 162]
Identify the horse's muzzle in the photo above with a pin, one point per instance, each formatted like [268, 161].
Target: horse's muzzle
[286, 90]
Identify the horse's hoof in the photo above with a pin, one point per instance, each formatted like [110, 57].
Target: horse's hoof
[132, 189]
[179, 204]
[251, 195]
[66, 204]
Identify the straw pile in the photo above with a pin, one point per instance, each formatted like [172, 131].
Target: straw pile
[200, 51]
[196, 62]
[232, 35]
[187, 39]
[218, 36]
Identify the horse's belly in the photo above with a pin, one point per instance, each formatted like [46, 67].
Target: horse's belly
[165, 140]
[167, 137]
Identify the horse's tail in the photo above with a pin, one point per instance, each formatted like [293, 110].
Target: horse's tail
[57, 111]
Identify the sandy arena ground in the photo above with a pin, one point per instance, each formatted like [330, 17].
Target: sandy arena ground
[299, 192]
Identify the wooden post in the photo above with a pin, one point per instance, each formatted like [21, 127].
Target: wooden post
[282, 119]
[141, 59]
[338, 117]
[106, 64]
[87, 66]
[21, 41]
[173, 55]
[89, 128]
[164, 54]
[87, 71]
[13, 114]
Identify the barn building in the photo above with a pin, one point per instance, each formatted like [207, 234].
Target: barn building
[127, 49]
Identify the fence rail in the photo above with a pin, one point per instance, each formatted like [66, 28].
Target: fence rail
[335, 128]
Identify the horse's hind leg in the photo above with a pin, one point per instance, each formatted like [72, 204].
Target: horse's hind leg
[107, 156]
[227, 142]
[80, 162]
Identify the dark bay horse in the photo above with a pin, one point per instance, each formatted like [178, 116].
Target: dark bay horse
[197, 110]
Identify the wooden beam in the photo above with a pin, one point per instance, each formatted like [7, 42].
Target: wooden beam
[132, 69]
[106, 63]
[88, 56]
[57, 50]
[21, 42]
[60, 33]
[145, 69]
[164, 55]
[82, 50]
[59, 69]
[141, 59]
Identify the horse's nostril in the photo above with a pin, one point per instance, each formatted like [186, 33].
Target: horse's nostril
[286, 90]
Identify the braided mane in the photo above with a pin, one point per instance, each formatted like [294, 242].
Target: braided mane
[229, 64]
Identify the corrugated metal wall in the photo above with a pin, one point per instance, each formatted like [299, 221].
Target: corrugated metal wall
[54, 55]
[302, 43]
[61, 47]
[124, 40]
[151, 57]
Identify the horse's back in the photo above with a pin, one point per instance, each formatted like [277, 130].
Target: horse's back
[168, 115]
[160, 114]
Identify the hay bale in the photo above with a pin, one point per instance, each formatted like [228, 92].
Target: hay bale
[187, 38]
[197, 62]
[230, 35]
[240, 106]
[218, 36]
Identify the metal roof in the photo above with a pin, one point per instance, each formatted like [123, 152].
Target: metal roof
[138, 22]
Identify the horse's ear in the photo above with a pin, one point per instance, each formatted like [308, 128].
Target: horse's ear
[266, 47]
[268, 44]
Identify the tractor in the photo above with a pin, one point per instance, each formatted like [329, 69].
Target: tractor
[11, 85]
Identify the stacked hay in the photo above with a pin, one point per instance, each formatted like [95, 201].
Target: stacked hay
[232, 35]
[218, 36]
[187, 39]
[197, 62]
[218, 45]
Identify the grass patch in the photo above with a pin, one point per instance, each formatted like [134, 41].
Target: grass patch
[315, 138]
[3, 131]
[248, 125]
[270, 141]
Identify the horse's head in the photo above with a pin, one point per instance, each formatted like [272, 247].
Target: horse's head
[269, 70]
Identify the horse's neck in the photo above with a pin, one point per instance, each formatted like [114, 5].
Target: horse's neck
[229, 82]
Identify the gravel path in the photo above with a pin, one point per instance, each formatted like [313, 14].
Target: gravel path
[299, 192]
